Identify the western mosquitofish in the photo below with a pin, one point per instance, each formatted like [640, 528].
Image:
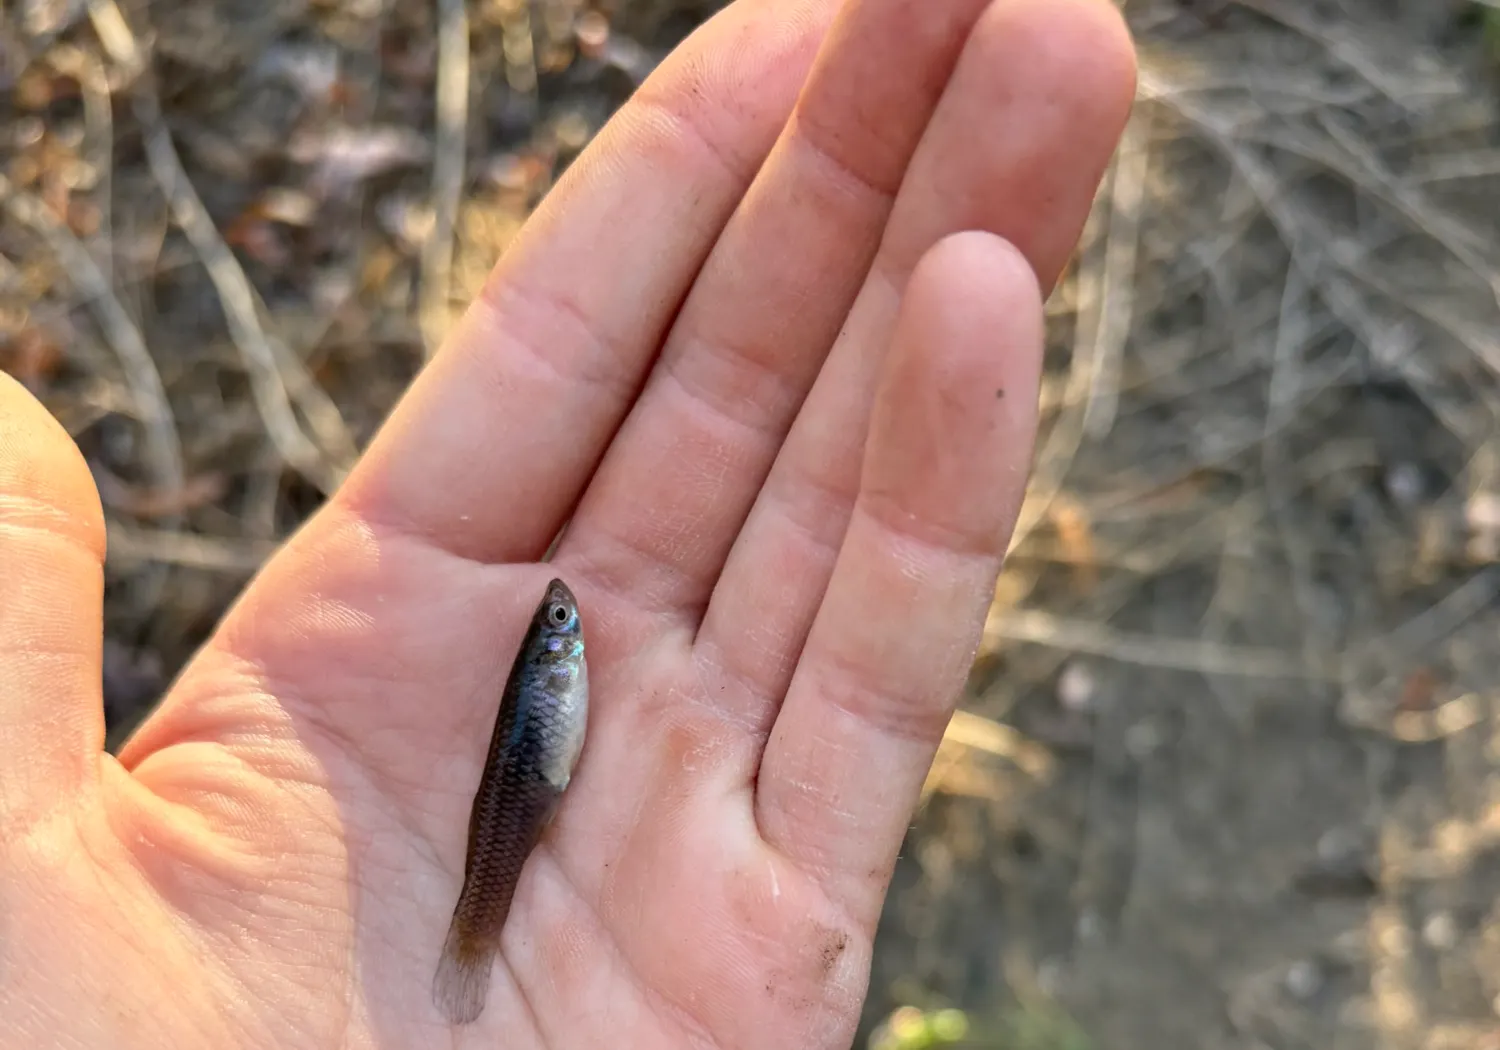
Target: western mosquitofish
[534, 749]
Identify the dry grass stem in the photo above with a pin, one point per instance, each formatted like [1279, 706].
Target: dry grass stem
[447, 170]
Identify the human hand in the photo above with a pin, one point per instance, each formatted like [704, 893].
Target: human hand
[783, 532]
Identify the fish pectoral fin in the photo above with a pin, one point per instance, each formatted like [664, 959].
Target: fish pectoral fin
[553, 804]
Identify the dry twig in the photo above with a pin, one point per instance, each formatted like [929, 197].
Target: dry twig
[447, 169]
[276, 373]
[1039, 628]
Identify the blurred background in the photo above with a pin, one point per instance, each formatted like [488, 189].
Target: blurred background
[1225, 773]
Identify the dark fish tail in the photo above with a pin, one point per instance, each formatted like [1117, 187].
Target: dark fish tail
[510, 814]
[462, 980]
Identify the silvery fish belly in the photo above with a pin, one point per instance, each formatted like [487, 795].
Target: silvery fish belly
[535, 746]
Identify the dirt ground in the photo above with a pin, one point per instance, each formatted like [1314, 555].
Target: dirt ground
[1225, 775]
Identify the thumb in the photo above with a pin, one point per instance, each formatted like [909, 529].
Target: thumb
[51, 620]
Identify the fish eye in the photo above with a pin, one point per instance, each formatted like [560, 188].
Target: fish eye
[558, 614]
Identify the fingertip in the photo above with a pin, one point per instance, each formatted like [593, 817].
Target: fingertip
[955, 419]
[979, 268]
[975, 306]
[44, 481]
[972, 312]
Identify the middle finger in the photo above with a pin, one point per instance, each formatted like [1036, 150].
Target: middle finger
[677, 482]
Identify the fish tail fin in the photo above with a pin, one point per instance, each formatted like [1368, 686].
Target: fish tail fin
[462, 979]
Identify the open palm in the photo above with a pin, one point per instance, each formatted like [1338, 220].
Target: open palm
[770, 351]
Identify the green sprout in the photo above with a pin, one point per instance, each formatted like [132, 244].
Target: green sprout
[912, 1029]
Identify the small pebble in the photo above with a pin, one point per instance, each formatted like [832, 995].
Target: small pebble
[408, 220]
[1303, 979]
[592, 31]
[1440, 931]
[1403, 483]
[289, 206]
[1076, 687]
[27, 130]
[1482, 512]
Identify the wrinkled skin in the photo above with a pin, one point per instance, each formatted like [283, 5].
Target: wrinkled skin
[773, 345]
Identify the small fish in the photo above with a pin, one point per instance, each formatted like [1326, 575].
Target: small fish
[534, 749]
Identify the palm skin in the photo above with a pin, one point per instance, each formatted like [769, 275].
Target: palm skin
[770, 350]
